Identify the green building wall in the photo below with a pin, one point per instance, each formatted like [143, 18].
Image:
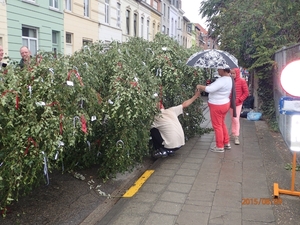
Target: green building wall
[35, 14]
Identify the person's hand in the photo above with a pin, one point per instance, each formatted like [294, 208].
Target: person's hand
[197, 93]
[201, 87]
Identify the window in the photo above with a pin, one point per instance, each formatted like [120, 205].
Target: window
[69, 38]
[86, 41]
[163, 29]
[86, 8]
[142, 26]
[168, 12]
[118, 14]
[54, 37]
[153, 29]
[175, 33]
[30, 39]
[164, 10]
[135, 24]
[172, 28]
[189, 28]
[106, 8]
[158, 28]
[155, 5]
[69, 43]
[148, 24]
[68, 5]
[53, 4]
[55, 42]
[127, 22]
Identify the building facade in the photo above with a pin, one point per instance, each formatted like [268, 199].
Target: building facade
[3, 27]
[110, 20]
[187, 33]
[36, 24]
[66, 26]
[80, 24]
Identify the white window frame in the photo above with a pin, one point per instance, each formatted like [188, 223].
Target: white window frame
[86, 41]
[55, 42]
[142, 27]
[33, 1]
[148, 29]
[86, 8]
[68, 5]
[153, 29]
[135, 25]
[71, 38]
[55, 37]
[155, 4]
[30, 39]
[106, 8]
[54, 4]
[118, 14]
[69, 42]
[128, 22]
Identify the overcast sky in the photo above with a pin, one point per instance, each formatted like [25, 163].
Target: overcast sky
[191, 11]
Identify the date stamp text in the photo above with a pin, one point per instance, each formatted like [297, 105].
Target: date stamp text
[261, 201]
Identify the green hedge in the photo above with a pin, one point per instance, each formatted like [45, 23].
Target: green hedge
[92, 108]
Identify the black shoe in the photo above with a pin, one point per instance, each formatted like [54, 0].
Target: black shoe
[160, 153]
[170, 152]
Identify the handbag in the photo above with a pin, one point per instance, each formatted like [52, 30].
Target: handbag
[233, 98]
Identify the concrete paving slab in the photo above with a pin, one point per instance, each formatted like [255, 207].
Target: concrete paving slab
[200, 187]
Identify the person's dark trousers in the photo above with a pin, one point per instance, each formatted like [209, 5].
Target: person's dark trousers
[157, 140]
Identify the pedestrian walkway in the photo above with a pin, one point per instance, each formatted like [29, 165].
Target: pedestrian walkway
[198, 187]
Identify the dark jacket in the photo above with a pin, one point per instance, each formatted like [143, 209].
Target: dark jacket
[22, 63]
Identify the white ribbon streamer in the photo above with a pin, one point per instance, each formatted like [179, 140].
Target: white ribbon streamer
[46, 168]
[30, 90]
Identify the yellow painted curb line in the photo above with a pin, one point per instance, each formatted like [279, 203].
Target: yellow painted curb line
[138, 184]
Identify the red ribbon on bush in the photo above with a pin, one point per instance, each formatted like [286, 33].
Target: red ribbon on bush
[76, 74]
[83, 124]
[12, 91]
[60, 124]
[30, 140]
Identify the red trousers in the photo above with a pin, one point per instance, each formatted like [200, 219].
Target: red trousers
[217, 116]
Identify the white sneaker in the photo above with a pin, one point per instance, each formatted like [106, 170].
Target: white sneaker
[227, 147]
[236, 140]
[215, 149]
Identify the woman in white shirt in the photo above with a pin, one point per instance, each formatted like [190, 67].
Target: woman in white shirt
[219, 104]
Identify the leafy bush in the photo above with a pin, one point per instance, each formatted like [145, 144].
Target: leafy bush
[92, 108]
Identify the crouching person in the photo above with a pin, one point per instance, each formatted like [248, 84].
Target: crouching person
[166, 131]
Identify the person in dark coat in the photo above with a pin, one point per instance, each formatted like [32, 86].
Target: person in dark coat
[26, 56]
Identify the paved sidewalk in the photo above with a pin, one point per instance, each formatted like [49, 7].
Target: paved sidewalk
[197, 186]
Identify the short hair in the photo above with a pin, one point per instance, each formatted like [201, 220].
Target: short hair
[227, 70]
[24, 47]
